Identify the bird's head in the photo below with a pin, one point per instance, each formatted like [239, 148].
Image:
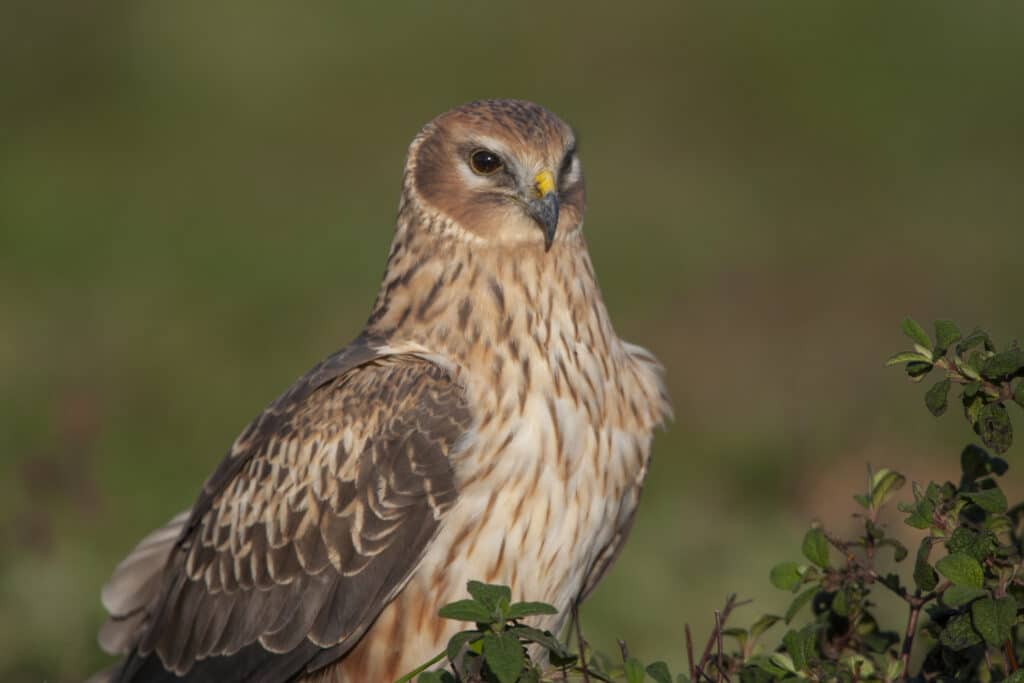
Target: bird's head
[503, 171]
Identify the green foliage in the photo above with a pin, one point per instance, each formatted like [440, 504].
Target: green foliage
[990, 377]
[963, 607]
[496, 650]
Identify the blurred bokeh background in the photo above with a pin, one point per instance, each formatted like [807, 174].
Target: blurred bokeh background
[196, 200]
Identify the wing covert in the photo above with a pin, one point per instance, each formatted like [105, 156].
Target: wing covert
[311, 524]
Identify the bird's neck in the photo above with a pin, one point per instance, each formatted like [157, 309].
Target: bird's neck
[491, 307]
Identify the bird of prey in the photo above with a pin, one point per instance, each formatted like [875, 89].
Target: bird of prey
[486, 424]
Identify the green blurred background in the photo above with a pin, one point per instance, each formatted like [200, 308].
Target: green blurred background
[196, 200]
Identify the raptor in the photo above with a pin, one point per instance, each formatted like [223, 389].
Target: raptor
[486, 424]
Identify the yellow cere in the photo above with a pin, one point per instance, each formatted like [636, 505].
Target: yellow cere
[545, 183]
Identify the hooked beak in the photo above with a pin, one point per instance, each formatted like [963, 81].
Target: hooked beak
[544, 208]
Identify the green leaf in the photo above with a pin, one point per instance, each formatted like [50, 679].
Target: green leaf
[778, 664]
[974, 463]
[458, 641]
[994, 428]
[763, 624]
[994, 619]
[921, 511]
[946, 334]
[1016, 677]
[841, 603]
[998, 524]
[899, 551]
[1003, 364]
[976, 544]
[968, 370]
[990, 500]
[917, 371]
[659, 672]
[740, 634]
[815, 547]
[491, 596]
[924, 575]
[542, 638]
[860, 665]
[633, 668]
[785, 575]
[430, 677]
[892, 581]
[893, 669]
[972, 408]
[504, 656]
[937, 398]
[801, 645]
[884, 483]
[961, 569]
[907, 357]
[916, 333]
[959, 634]
[880, 641]
[466, 610]
[798, 603]
[958, 596]
[1018, 394]
[518, 610]
[562, 659]
[977, 338]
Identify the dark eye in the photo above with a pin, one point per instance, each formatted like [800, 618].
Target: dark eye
[484, 162]
[567, 162]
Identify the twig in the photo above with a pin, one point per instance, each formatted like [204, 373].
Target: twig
[721, 660]
[908, 638]
[1011, 658]
[580, 642]
[689, 654]
[998, 390]
[421, 668]
[624, 650]
[716, 636]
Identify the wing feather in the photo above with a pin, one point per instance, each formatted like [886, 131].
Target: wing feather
[311, 524]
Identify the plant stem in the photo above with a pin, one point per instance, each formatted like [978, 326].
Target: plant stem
[421, 668]
[689, 654]
[720, 664]
[715, 637]
[1011, 659]
[908, 638]
[580, 642]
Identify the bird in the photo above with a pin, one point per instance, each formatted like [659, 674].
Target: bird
[487, 424]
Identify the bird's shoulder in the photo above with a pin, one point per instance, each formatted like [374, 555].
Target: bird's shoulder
[368, 393]
[312, 522]
[655, 406]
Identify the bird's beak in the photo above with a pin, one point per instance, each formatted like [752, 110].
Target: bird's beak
[544, 208]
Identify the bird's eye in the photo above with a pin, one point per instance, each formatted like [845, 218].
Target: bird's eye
[485, 162]
[567, 162]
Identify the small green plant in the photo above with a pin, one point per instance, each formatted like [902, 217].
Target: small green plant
[963, 599]
[496, 650]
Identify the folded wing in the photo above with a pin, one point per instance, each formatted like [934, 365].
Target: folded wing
[308, 528]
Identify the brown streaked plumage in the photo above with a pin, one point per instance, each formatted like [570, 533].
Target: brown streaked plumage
[487, 424]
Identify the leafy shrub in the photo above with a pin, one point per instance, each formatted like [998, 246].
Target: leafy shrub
[963, 605]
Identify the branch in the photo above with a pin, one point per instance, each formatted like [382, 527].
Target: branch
[908, 639]
[580, 642]
[716, 637]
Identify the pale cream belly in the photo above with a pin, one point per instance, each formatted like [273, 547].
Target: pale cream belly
[535, 525]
